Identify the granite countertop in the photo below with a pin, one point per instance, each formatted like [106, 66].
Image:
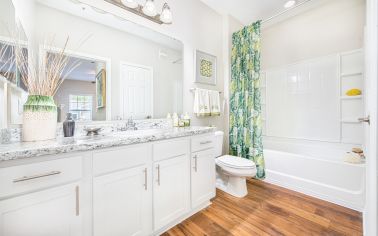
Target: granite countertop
[21, 150]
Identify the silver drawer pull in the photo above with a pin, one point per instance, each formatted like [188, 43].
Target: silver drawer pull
[205, 142]
[195, 163]
[145, 179]
[158, 172]
[26, 178]
[77, 198]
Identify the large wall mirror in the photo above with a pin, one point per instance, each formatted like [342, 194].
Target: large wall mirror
[12, 90]
[124, 70]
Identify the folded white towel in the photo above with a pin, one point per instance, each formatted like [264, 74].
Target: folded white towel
[214, 103]
[201, 102]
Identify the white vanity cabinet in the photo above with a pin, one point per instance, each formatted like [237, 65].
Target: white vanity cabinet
[122, 203]
[122, 199]
[140, 189]
[171, 188]
[54, 211]
[202, 170]
[42, 199]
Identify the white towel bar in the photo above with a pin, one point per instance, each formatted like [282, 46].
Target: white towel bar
[193, 89]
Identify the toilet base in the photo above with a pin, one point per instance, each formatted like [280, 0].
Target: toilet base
[233, 185]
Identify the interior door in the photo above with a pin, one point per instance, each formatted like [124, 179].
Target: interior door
[370, 213]
[122, 203]
[136, 91]
[50, 212]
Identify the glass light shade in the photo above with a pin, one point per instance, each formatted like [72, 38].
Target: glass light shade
[149, 8]
[130, 3]
[290, 3]
[166, 14]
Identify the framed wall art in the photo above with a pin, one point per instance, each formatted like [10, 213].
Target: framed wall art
[206, 68]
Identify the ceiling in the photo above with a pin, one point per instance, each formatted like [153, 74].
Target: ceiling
[248, 11]
[85, 71]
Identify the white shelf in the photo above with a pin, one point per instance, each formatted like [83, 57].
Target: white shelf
[351, 97]
[350, 121]
[351, 74]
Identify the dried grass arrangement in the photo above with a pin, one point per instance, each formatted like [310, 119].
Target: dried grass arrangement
[46, 76]
[42, 79]
[7, 61]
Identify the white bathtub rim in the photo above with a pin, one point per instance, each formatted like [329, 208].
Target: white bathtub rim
[326, 197]
[361, 165]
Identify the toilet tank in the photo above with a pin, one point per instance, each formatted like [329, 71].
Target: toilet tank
[218, 143]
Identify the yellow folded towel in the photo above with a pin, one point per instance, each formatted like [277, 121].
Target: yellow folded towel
[353, 92]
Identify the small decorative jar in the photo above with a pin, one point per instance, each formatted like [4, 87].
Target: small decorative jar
[69, 126]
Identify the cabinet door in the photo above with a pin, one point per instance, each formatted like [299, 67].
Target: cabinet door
[123, 203]
[171, 190]
[203, 176]
[54, 211]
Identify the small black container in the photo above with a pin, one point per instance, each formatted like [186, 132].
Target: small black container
[69, 126]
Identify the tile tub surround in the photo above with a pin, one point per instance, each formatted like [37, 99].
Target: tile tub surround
[22, 150]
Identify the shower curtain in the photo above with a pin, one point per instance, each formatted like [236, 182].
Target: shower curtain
[245, 101]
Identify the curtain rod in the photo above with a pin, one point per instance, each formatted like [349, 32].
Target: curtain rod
[285, 11]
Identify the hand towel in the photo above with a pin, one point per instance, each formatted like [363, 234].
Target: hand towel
[201, 102]
[215, 103]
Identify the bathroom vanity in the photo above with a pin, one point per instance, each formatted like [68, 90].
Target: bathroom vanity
[123, 183]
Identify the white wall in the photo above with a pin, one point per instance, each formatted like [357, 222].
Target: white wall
[7, 18]
[119, 46]
[334, 26]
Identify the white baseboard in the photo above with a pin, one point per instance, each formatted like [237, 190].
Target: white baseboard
[352, 200]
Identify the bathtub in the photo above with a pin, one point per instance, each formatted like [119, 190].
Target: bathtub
[316, 170]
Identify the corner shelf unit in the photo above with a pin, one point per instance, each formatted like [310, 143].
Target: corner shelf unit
[351, 75]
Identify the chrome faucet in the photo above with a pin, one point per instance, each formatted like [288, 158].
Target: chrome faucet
[131, 125]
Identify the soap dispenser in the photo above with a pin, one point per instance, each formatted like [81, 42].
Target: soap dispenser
[175, 120]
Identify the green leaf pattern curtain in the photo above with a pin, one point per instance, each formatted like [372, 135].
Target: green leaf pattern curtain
[245, 101]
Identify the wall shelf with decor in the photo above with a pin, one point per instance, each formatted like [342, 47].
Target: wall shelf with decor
[351, 97]
[352, 107]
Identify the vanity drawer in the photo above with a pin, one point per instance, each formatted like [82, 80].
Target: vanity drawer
[171, 148]
[31, 177]
[121, 158]
[203, 142]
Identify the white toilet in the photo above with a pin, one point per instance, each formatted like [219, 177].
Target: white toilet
[232, 171]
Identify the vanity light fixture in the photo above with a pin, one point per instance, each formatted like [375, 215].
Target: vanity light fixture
[290, 4]
[130, 3]
[148, 10]
[166, 14]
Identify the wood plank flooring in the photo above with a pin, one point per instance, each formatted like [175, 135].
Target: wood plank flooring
[270, 210]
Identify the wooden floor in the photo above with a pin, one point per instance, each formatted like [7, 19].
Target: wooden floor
[270, 210]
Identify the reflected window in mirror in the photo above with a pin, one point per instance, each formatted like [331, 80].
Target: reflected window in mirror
[81, 107]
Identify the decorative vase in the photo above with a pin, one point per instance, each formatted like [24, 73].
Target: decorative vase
[39, 118]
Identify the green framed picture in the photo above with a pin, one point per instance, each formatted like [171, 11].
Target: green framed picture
[206, 68]
[101, 89]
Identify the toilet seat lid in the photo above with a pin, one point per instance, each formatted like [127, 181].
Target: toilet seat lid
[236, 162]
